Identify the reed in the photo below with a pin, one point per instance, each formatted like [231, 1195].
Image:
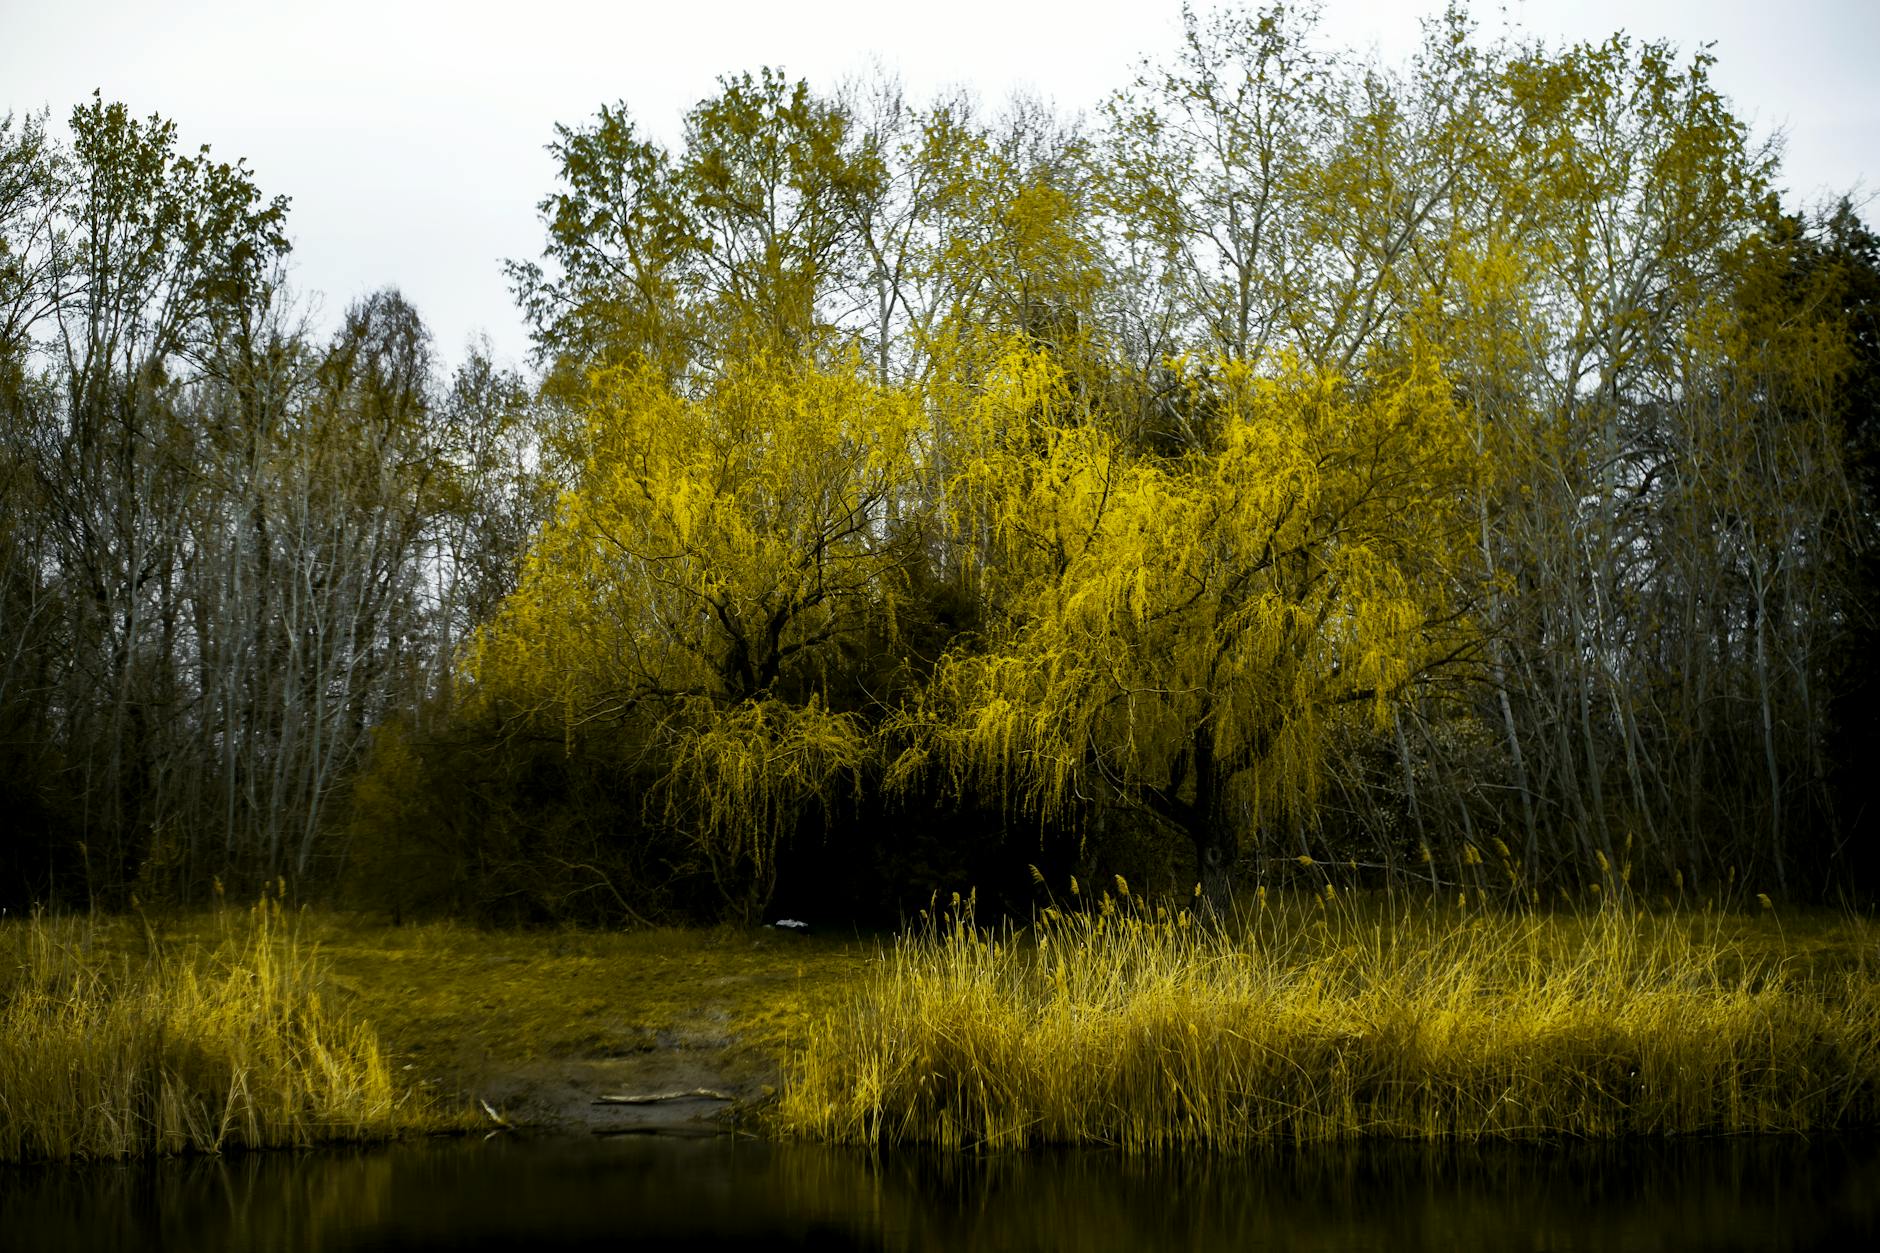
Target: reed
[197, 1048]
[1319, 1018]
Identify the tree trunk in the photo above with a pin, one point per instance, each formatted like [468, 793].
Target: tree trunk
[1215, 827]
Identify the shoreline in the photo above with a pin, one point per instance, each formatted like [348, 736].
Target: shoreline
[484, 1031]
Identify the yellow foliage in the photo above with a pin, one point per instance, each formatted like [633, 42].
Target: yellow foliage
[698, 577]
[1233, 601]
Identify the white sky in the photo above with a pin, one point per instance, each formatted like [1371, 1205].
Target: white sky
[410, 135]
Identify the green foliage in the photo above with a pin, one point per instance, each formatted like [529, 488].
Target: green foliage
[171, 244]
[731, 246]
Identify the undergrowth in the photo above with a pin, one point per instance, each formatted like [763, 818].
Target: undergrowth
[1315, 1018]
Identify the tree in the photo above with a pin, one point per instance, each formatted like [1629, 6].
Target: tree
[772, 175]
[34, 179]
[126, 260]
[495, 492]
[617, 240]
[735, 244]
[1211, 159]
[1622, 188]
[1851, 256]
[1780, 437]
[1179, 635]
[703, 588]
[35, 174]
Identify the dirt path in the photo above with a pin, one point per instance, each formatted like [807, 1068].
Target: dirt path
[541, 1024]
[562, 1092]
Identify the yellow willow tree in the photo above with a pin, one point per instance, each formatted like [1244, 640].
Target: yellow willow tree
[1181, 634]
[704, 584]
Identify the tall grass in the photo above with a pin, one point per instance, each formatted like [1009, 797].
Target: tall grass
[1318, 1020]
[193, 1049]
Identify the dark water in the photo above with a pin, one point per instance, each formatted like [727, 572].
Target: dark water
[665, 1193]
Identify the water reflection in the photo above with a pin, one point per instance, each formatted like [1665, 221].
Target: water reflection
[645, 1193]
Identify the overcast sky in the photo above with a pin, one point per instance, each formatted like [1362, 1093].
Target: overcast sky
[410, 135]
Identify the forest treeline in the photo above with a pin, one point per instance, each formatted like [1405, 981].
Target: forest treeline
[1460, 473]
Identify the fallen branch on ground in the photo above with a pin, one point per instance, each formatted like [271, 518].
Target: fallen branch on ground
[653, 1098]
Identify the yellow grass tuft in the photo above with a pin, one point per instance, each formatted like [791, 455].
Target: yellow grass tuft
[188, 1051]
[1325, 1019]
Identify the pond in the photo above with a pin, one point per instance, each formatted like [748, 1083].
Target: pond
[667, 1192]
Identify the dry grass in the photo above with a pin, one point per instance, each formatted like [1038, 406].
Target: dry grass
[1320, 1019]
[233, 1042]
[1315, 1018]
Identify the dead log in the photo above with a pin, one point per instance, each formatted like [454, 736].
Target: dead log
[654, 1098]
